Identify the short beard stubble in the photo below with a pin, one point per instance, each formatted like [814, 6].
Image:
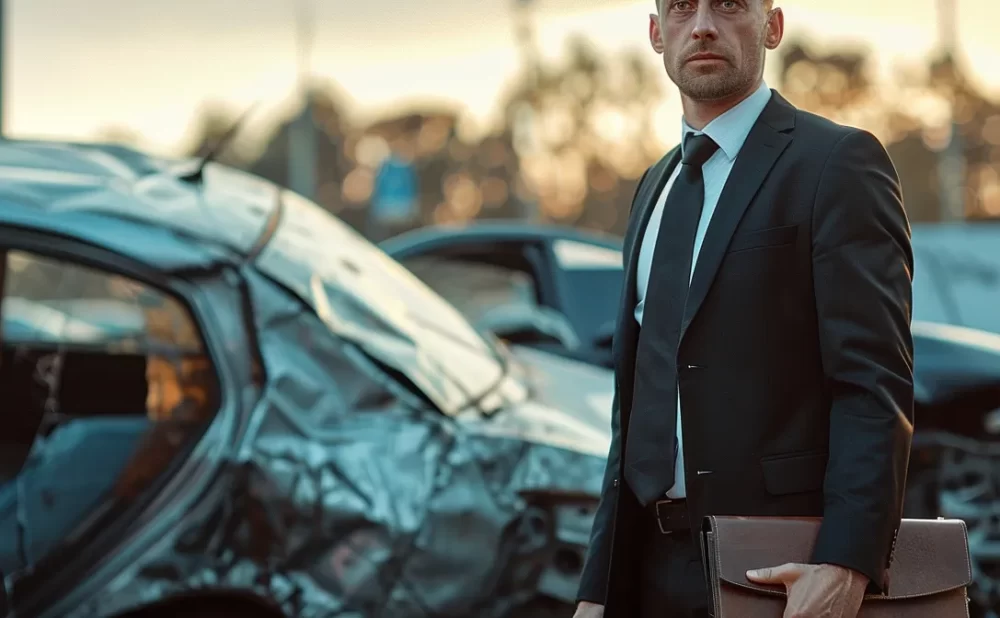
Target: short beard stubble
[720, 84]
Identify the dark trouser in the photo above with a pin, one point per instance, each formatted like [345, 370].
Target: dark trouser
[670, 574]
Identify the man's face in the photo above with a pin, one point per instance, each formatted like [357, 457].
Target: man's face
[714, 49]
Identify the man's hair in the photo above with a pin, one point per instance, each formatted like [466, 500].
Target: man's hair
[767, 4]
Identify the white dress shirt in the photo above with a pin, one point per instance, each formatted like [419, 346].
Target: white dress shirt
[729, 131]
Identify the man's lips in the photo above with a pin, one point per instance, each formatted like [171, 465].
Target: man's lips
[704, 56]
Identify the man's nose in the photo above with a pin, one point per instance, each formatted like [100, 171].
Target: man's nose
[704, 24]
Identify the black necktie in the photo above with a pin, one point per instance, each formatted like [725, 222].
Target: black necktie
[651, 445]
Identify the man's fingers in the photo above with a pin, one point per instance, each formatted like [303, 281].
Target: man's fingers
[783, 574]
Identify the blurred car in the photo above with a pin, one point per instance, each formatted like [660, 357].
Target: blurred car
[551, 287]
[571, 281]
[957, 274]
[219, 400]
[548, 286]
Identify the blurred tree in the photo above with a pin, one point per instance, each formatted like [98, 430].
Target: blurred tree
[835, 84]
[459, 178]
[427, 139]
[977, 120]
[325, 111]
[584, 129]
[910, 113]
[584, 133]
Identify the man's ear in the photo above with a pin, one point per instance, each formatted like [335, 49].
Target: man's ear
[655, 38]
[775, 28]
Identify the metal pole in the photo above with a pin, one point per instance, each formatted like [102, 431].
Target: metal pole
[951, 160]
[302, 134]
[304, 36]
[525, 32]
[947, 24]
[3, 62]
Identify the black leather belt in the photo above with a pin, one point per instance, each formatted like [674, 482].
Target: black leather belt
[671, 515]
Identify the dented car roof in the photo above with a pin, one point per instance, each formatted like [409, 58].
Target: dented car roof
[104, 193]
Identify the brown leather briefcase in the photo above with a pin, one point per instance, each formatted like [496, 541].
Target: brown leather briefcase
[928, 577]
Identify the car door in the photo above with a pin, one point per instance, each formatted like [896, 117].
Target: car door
[496, 284]
[956, 275]
[588, 276]
[102, 376]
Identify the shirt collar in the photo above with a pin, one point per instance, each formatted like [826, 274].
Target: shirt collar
[731, 129]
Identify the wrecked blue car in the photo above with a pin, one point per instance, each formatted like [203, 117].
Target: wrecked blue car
[219, 400]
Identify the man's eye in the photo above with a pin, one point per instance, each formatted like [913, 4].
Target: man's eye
[681, 5]
[729, 5]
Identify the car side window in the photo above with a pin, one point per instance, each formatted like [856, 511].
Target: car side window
[474, 287]
[593, 279]
[102, 380]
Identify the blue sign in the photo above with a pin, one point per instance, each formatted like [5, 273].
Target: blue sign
[395, 194]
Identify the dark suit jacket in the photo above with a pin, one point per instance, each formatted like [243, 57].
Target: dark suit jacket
[795, 364]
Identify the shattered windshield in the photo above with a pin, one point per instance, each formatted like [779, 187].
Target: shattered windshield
[369, 298]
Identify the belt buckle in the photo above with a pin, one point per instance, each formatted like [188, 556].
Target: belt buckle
[659, 520]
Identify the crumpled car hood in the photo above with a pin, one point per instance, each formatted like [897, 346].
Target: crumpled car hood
[569, 407]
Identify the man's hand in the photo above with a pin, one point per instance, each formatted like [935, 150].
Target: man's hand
[816, 590]
[589, 610]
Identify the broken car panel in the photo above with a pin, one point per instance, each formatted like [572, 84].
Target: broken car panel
[345, 443]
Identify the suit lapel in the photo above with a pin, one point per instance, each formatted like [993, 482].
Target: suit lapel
[645, 201]
[767, 140]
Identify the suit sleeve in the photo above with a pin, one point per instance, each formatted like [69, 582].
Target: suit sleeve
[862, 270]
[593, 581]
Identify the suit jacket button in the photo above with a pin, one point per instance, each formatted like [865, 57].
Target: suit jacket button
[614, 483]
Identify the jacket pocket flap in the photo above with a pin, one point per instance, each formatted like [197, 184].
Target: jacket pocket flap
[768, 237]
[793, 473]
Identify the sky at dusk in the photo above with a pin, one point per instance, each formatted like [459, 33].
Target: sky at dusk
[75, 67]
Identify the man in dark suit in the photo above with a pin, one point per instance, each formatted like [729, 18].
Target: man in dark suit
[768, 273]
